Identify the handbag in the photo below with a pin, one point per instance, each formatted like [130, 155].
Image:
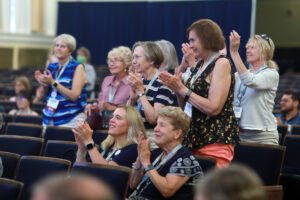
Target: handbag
[94, 120]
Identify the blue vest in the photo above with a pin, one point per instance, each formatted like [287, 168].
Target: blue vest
[67, 109]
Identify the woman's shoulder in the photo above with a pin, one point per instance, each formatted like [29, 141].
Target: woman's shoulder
[13, 112]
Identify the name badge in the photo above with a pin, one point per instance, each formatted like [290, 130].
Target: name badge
[51, 106]
[188, 109]
[237, 111]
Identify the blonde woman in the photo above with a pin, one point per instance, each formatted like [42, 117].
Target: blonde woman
[65, 81]
[120, 146]
[255, 89]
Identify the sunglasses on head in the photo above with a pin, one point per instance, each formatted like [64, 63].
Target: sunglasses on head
[265, 37]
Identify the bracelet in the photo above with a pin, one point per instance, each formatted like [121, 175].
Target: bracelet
[80, 156]
[135, 167]
[187, 96]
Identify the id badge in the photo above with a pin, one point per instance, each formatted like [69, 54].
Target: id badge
[188, 109]
[237, 111]
[51, 106]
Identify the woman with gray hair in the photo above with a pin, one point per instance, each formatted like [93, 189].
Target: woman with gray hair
[147, 91]
[115, 89]
[170, 56]
[164, 172]
[65, 80]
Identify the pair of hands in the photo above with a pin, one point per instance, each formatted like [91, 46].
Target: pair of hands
[83, 134]
[136, 82]
[45, 78]
[101, 106]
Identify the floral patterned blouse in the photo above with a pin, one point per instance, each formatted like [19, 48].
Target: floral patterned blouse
[204, 129]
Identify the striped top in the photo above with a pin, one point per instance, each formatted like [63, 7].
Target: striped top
[67, 109]
[157, 93]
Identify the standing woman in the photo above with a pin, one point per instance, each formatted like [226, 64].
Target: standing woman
[207, 95]
[147, 91]
[255, 89]
[65, 80]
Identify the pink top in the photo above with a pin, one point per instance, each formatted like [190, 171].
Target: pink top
[120, 93]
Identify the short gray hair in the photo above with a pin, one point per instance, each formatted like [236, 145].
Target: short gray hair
[68, 39]
[170, 55]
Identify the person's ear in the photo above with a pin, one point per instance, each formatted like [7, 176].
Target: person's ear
[178, 134]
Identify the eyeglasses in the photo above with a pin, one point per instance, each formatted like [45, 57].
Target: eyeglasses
[265, 37]
[115, 60]
[21, 98]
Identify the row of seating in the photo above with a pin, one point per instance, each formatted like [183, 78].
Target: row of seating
[51, 132]
[32, 168]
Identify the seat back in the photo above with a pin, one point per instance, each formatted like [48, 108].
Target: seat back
[6, 119]
[8, 105]
[9, 162]
[265, 159]
[22, 145]
[29, 119]
[273, 192]
[33, 168]
[109, 173]
[206, 163]
[99, 136]
[10, 189]
[291, 164]
[295, 129]
[58, 133]
[61, 149]
[24, 129]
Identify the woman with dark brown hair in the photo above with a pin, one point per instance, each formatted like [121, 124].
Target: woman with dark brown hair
[207, 95]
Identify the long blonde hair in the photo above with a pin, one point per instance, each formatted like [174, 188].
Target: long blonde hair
[135, 125]
[266, 46]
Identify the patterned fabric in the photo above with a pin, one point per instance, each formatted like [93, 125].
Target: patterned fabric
[157, 93]
[206, 129]
[183, 163]
[67, 109]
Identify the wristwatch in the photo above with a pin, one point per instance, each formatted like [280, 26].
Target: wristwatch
[55, 84]
[139, 95]
[90, 146]
[148, 168]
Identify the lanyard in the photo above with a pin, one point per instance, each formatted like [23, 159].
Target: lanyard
[147, 88]
[146, 177]
[61, 71]
[241, 92]
[108, 158]
[200, 70]
[111, 95]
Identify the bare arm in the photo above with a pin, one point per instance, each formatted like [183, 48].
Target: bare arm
[234, 52]
[83, 135]
[77, 84]
[218, 91]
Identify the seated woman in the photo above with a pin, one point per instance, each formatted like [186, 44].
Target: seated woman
[120, 146]
[115, 89]
[23, 104]
[164, 172]
[21, 83]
